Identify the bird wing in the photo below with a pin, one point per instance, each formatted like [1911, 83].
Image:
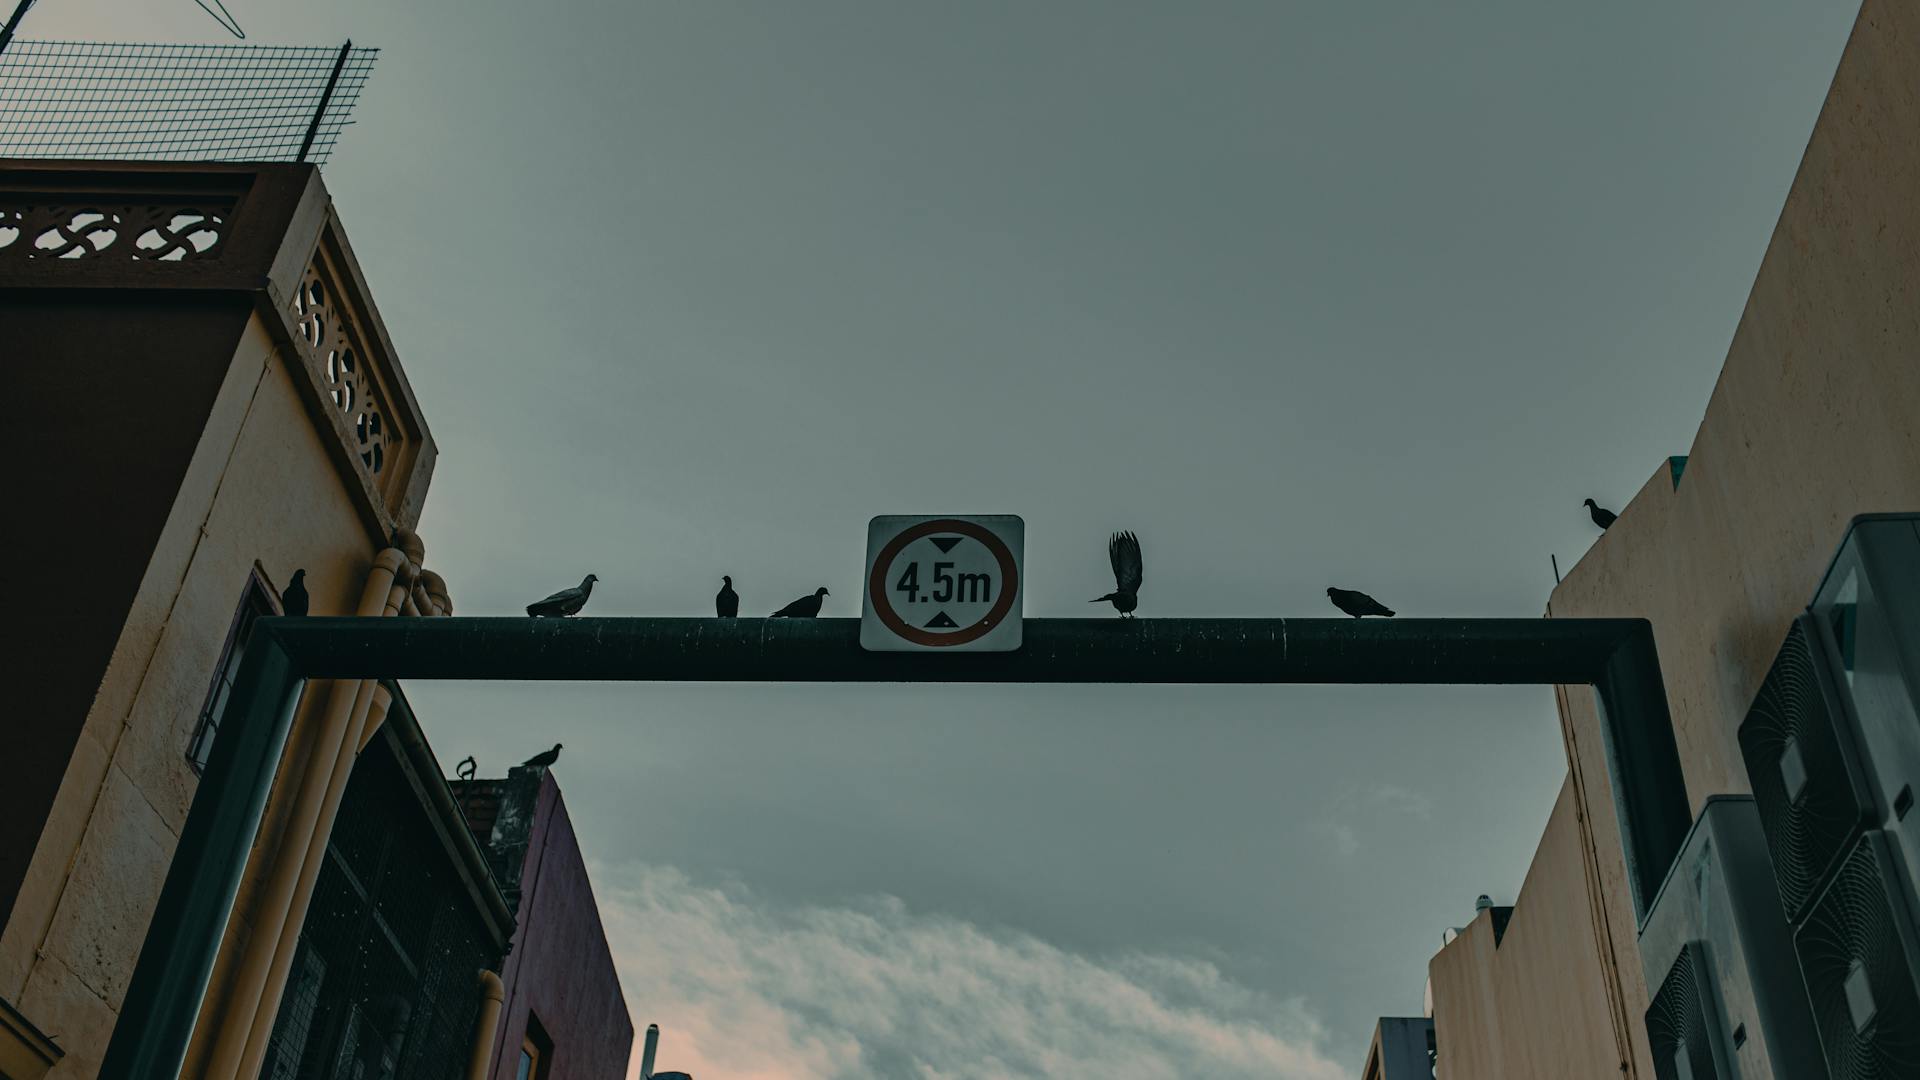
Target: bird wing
[1124, 552]
[791, 609]
[560, 597]
[1370, 605]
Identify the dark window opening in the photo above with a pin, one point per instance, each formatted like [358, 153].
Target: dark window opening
[254, 602]
[536, 1052]
[383, 984]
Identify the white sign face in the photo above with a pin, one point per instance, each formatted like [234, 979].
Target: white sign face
[937, 583]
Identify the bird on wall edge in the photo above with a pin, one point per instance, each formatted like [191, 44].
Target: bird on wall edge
[1601, 516]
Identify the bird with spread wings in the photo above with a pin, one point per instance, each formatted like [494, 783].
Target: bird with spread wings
[1123, 551]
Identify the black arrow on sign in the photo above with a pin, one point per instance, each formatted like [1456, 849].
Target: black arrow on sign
[941, 622]
[945, 543]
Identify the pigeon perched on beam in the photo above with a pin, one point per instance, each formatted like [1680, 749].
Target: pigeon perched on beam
[804, 608]
[293, 601]
[1358, 604]
[1601, 517]
[1123, 551]
[726, 603]
[565, 602]
[543, 759]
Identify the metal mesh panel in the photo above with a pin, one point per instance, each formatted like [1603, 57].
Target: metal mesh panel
[81, 99]
[385, 983]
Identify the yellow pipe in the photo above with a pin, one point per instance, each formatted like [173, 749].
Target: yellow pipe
[242, 1039]
[254, 1054]
[492, 996]
[436, 587]
[346, 699]
[364, 734]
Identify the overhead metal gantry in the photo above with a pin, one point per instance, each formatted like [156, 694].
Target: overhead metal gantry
[1615, 656]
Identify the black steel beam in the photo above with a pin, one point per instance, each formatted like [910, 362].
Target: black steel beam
[13, 23]
[1055, 650]
[326, 98]
[1615, 656]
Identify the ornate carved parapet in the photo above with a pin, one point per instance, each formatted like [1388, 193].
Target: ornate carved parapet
[265, 230]
[163, 231]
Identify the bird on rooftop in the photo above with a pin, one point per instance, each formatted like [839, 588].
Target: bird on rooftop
[726, 603]
[1123, 551]
[293, 601]
[1601, 517]
[804, 608]
[543, 759]
[565, 602]
[1358, 604]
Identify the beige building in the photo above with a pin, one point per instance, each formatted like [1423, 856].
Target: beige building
[1815, 418]
[209, 402]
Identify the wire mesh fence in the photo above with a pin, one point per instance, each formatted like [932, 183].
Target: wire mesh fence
[79, 99]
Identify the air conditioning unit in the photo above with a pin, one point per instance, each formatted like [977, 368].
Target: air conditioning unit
[1860, 955]
[1807, 779]
[1728, 1003]
[1867, 613]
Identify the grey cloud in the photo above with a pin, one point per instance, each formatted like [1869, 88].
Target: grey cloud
[1374, 806]
[745, 988]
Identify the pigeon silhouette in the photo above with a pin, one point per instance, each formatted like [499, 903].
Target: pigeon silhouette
[565, 602]
[1602, 518]
[293, 601]
[543, 759]
[726, 603]
[804, 608]
[1123, 551]
[1358, 604]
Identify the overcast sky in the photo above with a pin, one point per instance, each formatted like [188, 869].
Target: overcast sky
[1305, 294]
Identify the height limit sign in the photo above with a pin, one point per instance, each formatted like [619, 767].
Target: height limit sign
[943, 583]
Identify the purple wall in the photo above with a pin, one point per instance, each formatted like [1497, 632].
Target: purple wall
[560, 968]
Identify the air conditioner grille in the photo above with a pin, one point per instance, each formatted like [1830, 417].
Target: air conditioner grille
[1859, 971]
[1683, 1022]
[1808, 803]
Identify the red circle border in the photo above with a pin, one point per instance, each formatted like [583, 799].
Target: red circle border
[883, 607]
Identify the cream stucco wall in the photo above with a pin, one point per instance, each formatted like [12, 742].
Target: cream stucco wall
[1543, 977]
[261, 487]
[1813, 420]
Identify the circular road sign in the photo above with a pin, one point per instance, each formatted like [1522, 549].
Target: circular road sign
[943, 583]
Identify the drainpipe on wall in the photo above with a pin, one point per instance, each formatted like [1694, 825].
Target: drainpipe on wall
[347, 701]
[400, 601]
[253, 1039]
[253, 1001]
[492, 995]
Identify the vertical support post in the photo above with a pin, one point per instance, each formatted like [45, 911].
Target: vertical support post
[170, 979]
[13, 23]
[1649, 788]
[326, 98]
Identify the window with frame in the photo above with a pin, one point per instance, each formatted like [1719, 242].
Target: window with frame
[536, 1051]
[254, 602]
